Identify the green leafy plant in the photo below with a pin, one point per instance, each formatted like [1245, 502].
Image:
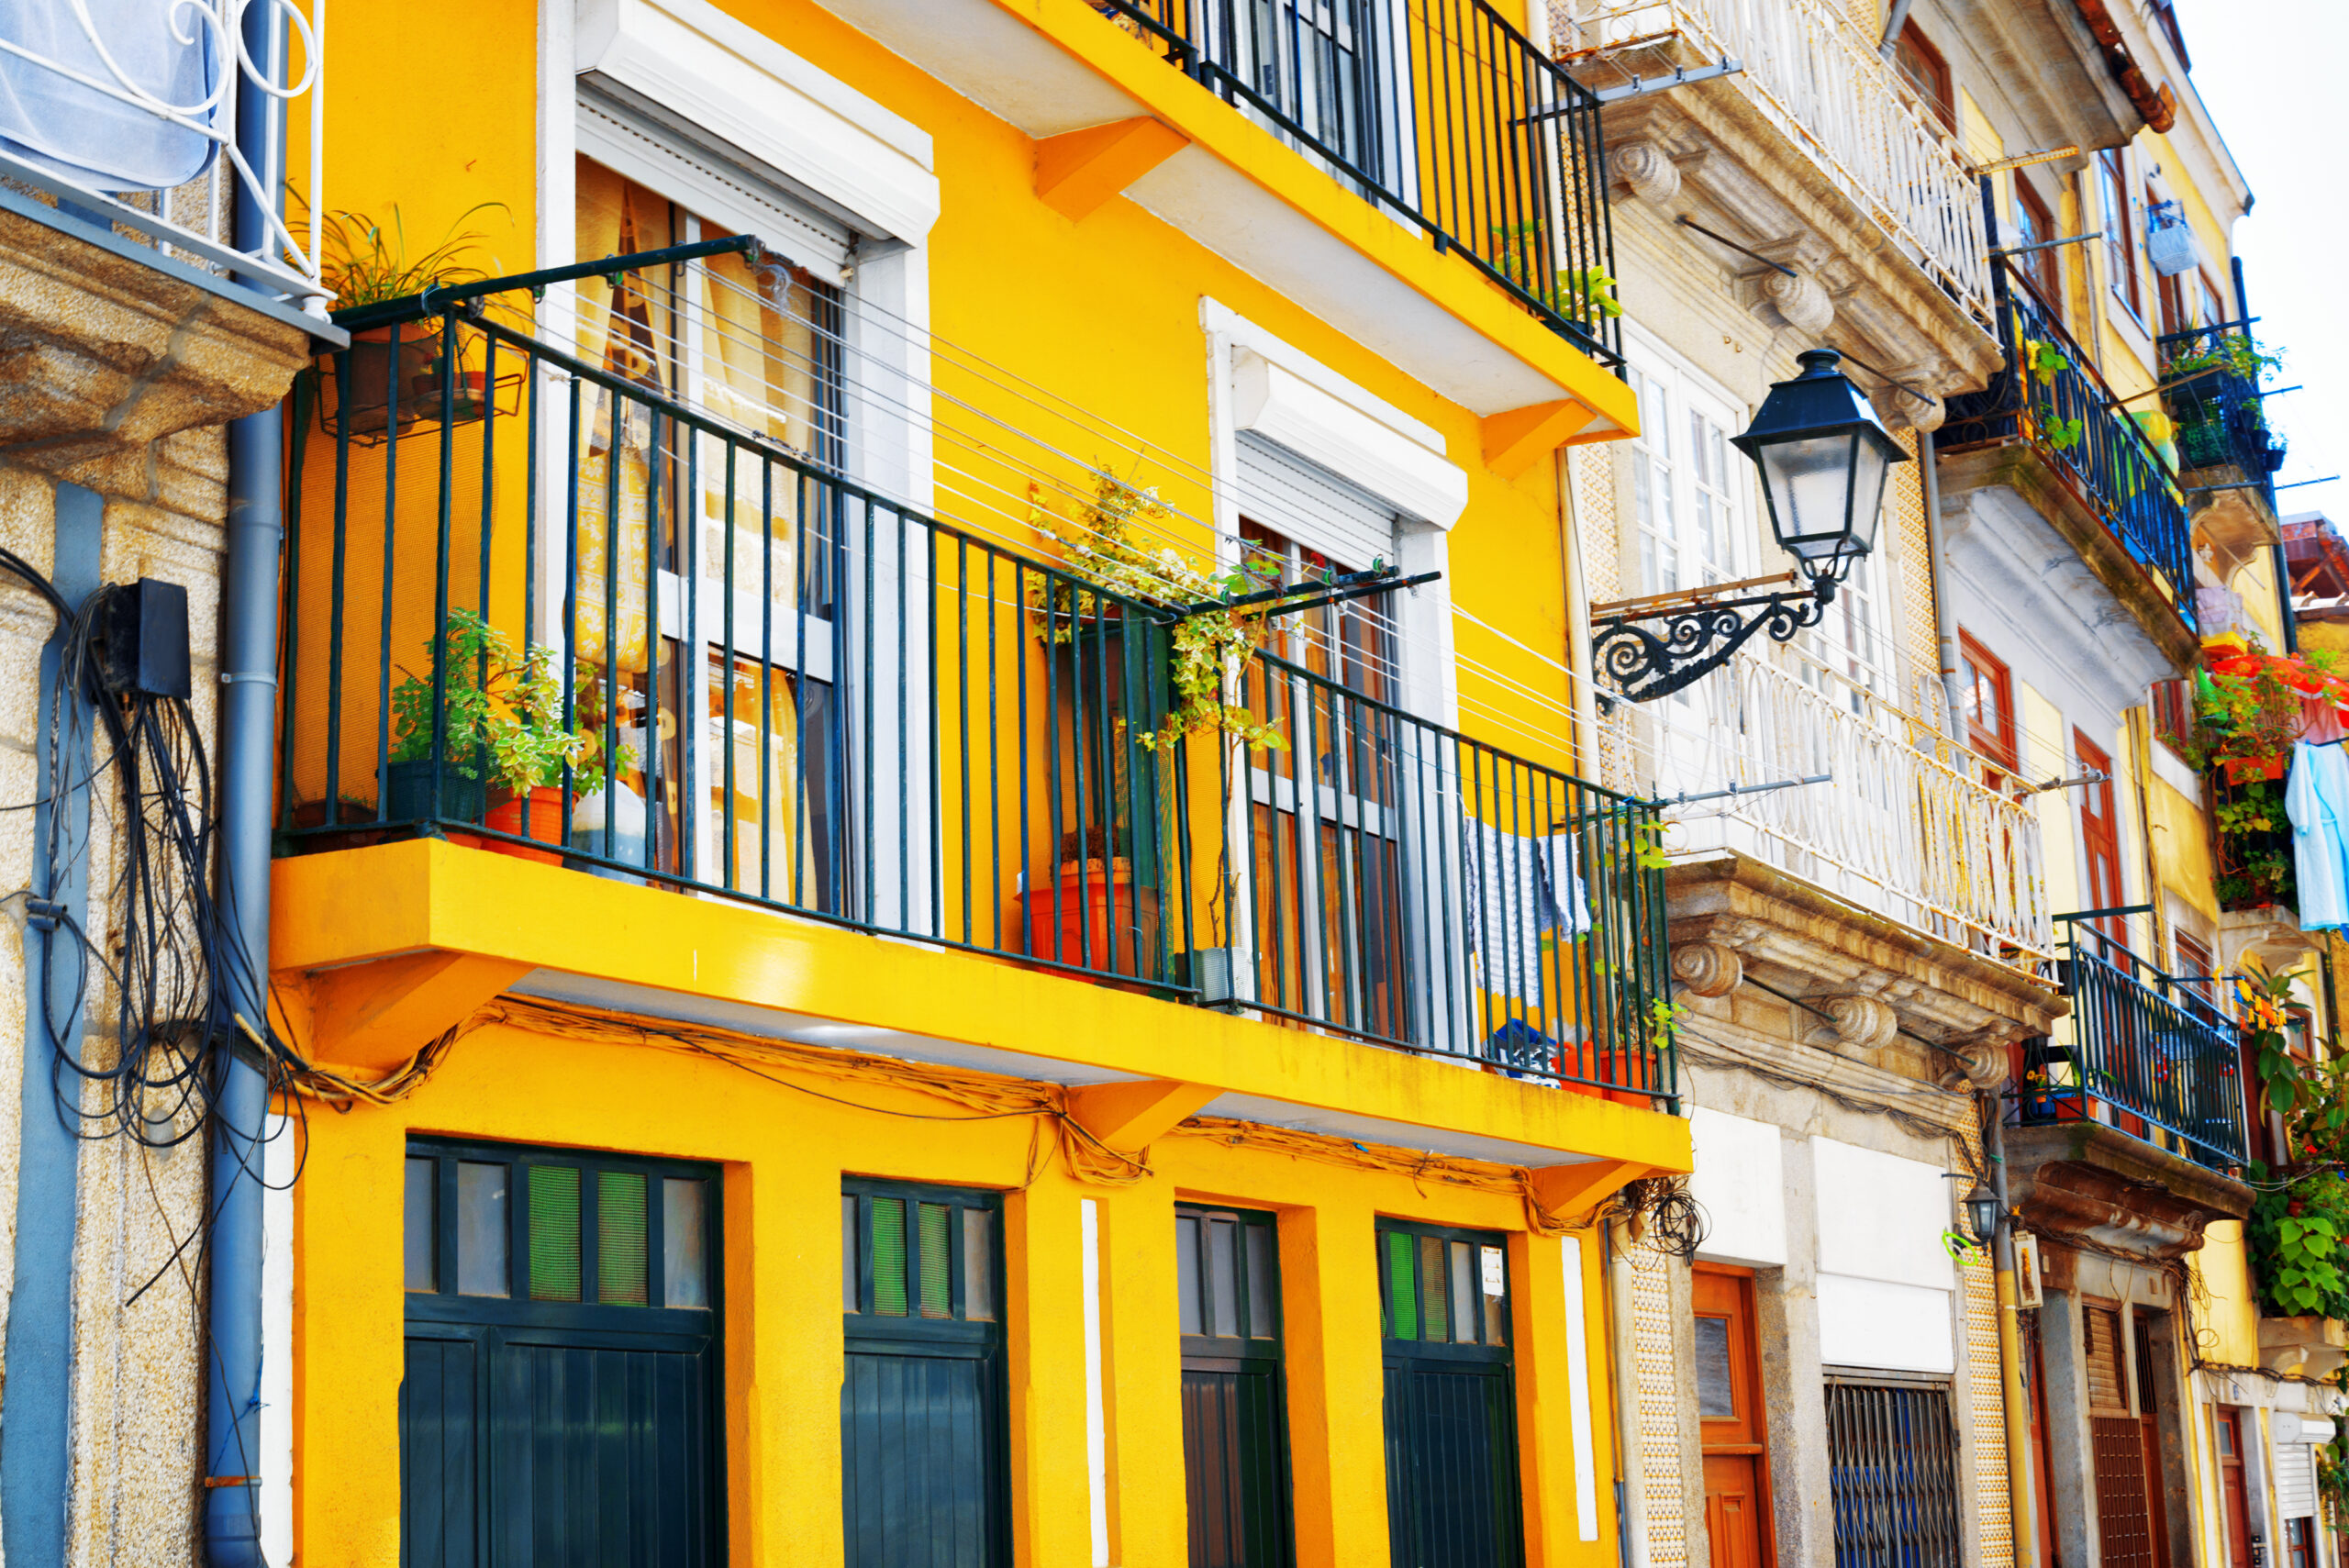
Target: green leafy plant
[1098, 541]
[2045, 358]
[2296, 1235]
[366, 262]
[499, 709]
[2236, 352]
[2063, 434]
[1581, 294]
[1664, 1019]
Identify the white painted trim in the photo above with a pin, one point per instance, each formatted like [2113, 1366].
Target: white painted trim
[1579, 1393]
[1222, 320]
[280, 1162]
[1096, 1424]
[1278, 403]
[714, 71]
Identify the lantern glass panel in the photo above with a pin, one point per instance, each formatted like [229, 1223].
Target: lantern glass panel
[1809, 484]
[1871, 471]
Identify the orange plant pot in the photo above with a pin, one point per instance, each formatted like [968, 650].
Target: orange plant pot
[2251, 770]
[1093, 917]
[1617, 1067]
[546, 825]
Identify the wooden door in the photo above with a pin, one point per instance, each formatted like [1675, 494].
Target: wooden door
[2041, 1476]
[2149, 1440]
[2234, 1496]
[1729, 1408]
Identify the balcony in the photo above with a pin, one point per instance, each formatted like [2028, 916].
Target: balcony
[1419, 175]
[2043, 447]
[2148, 1055]
[703, 662]
[150, 287]
[1817, 156]
[1905, 826]
[2227, 456]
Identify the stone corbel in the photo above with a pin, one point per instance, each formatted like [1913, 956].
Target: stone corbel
[1707, 969]
[1644, 171]
[1856, 1025]
[1798, 301]
[1981, 1061]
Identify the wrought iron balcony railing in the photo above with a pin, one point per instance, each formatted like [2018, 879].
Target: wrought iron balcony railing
[2050, 394]
[2149, 1054]
[1829, 92]
[141, 133]
[539, 606]
[1906, 825]
[2220, 413]
[1439, 111]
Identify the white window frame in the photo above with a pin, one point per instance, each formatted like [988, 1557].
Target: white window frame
[729, 89]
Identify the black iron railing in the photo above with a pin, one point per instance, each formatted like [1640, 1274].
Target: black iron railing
[2149, 1052]
[2050, 394]
[1438, 110]
[2219, 411]
[542, 607]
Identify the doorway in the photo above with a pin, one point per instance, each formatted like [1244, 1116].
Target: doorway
[2234, 1492]
[1734, 1432]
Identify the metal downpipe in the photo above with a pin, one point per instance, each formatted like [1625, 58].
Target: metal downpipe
[248, 708]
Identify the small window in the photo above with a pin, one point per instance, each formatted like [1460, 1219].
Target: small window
[1443, 1287]
[1716, 1387]
[1989, 703]
[421, 1226]
[2035, 226]
[1922, 67]
[483, 1237]
[2119, 233]
[910, 1253]
[1225, 1276]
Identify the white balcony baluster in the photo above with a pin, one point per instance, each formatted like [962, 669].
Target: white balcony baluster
[1827, 90]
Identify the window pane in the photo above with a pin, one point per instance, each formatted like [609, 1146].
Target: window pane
[555, 1232]
[889, 1256]
[421, 1236]
[1264, 1314]
[1494, 1268]
[1432, 1293]
[1223, 1270]
[1716, 1395]
[848, 1254]
[1402, 1291]
[622, 1271]
[978, 1265]
[684, 1242]
[482, 1220]
[1186, 1273]
[937, 1284]
[1465, 1315]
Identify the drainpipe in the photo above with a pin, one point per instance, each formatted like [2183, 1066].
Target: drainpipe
[2019, 1505]
[1892, 25]
[248, 703]
[1623, 1370]
[1584, 685]
[1944, 614]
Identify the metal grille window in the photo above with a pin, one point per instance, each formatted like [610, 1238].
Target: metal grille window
[560, 1398]
[1451, 1481]
[1235, 1442]
[924, 1471]
[1892, 1474]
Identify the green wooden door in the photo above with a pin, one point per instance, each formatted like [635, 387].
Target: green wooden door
[1451, 1459]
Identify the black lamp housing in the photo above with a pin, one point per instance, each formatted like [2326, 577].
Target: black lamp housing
[1824, 458]
[1981, 1213]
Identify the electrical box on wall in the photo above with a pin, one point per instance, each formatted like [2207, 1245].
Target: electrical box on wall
[143, 639]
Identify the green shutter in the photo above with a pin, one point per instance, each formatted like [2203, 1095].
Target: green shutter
[621, 1272]
[937, 1283]
[1436, 1305]
[1402, 1289]
[555, 1232]
[889, 1257]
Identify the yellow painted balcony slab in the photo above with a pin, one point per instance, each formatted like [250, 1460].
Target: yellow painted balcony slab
[423, 932]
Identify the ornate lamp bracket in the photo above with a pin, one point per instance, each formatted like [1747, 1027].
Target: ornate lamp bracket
[1698, 634]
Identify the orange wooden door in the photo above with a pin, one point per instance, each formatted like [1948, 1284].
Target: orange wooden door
[2234, 1496]
[1728, 1407]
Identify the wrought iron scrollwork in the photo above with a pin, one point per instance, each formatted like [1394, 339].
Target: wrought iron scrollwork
[1642, 666]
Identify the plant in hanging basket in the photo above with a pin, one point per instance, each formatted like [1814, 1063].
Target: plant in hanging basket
[1096, 538]
[366, 262]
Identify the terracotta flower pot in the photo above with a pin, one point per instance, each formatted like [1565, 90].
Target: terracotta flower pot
[1093, 917]
[545, 825]
[2251, 770]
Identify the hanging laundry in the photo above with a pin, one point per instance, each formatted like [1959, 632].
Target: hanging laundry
[2316, 798]
[1518, 891]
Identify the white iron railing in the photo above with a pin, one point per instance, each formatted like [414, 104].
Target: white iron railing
[1907, 828]
[1828, 91]
[130, 116]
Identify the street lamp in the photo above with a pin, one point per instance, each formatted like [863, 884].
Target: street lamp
[1824, 459]
[1981, 1213]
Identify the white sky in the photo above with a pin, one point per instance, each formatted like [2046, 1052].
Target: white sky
[2268, 72]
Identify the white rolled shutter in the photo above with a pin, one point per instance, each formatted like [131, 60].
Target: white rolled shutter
[2295, 1481]
[1309, 504]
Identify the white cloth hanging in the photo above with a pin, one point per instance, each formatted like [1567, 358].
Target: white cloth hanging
[168, 53]
[1518, 891]
[2316, 798]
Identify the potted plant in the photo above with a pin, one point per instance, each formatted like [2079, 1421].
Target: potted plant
[365, 263]
[1093, 916]
[503, 742]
